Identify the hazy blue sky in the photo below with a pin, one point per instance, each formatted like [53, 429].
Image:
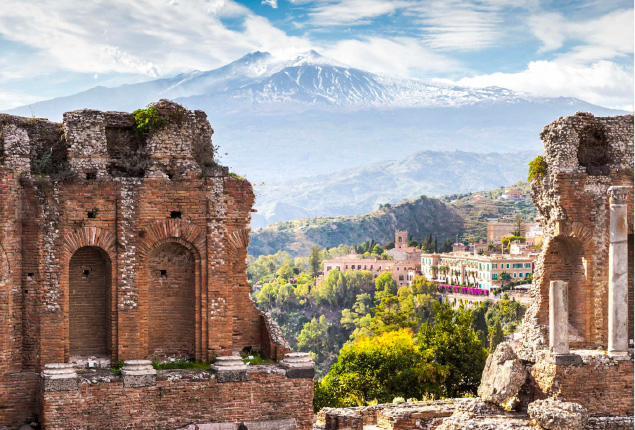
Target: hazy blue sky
[584, 49]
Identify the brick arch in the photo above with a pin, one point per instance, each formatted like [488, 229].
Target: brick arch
[177, 230]
[238, 240]
[565, 257]
[191, 237]
[90, 236]
[576, 230]
[105, 242]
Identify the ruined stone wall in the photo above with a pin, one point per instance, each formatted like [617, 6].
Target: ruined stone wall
[604, 386]
[584, 156]
[173, 403]
[93, 183]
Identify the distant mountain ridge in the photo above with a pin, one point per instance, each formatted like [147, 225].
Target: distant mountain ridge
[281, 119]
[363, 189]
[463, 215]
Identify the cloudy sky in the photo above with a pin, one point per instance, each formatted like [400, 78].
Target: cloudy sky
[584, 49]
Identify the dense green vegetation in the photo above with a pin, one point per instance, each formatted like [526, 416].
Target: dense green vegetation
[372, 340]
[462, 215]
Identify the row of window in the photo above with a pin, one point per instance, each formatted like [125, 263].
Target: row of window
[484, 266]
[520, 275]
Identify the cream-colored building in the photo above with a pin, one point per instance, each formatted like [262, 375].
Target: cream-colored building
[403, 272]
[484, 271]
[497, 231]
[405, 265]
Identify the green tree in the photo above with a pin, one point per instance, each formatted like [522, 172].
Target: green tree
[391, 316]
[454, 344]
[315, 261]
[479, 325]
[377, 250]
[314, 337]
[286, 272]
[496, 336]
[519, 227]
[380, 368]
[385, 283]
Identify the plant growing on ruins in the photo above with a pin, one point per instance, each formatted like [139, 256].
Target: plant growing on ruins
[537, 168]
[237, 176]
[147, 120]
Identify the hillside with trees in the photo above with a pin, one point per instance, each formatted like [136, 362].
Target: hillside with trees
[445, 218]
[323, 314]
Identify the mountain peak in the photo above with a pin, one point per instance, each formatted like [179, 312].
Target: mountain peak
[254, 56]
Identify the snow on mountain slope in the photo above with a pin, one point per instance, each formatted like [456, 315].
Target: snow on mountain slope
[260, 79]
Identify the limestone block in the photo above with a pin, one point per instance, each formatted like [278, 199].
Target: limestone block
[503, 377]
[298, 365]
[59, 377]
[555, 414]
[138, 373]
[230, 369]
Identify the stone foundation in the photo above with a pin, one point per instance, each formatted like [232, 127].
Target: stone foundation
[602, 385]
[179, 399]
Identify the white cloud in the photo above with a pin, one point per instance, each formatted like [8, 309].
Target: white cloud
[141, 37]
[401, 56]
[353, 12]
[12, 99]
[604, 82]
[272, 3]
[606, 37]
[465, 25]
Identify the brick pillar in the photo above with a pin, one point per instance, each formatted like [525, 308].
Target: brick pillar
[618, 273]
[559, 317]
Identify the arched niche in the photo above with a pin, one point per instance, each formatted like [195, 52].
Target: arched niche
[89, 303]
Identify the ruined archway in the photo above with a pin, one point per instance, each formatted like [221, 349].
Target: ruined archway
[171, 301]
[564, 261]
[90, 299]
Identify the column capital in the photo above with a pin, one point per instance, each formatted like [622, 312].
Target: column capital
[618, 194]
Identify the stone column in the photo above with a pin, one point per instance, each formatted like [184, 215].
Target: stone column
[298, 365]
[230, 369]
[559, 317]
[618, 273]
[138, 373]
[59, 377]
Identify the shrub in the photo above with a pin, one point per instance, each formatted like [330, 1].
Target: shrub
[537, 168]
[147, 120]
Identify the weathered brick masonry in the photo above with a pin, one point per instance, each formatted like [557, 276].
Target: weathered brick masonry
[177, 401]
[119, 246]
[584, 157]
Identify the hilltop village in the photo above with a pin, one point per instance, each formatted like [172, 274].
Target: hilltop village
[125, 298]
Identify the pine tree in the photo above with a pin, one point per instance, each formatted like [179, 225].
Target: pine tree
[496, 336]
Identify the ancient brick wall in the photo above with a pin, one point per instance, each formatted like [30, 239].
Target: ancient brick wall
[171, 298]
[91, 214]
[174, 403]
[602, 385]
[89, 319]
[584, 156]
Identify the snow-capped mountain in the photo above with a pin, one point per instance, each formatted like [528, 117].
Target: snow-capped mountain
[259, 79]
[311, 79]
[277, 120]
